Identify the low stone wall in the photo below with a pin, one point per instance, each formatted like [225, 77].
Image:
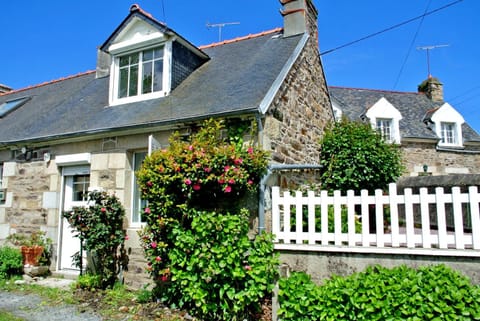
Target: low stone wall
[323, 265]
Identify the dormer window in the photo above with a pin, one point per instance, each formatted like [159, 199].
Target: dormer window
[385, 129]
[385, 118]
[141, 73]
[448, 133]
[448, 126]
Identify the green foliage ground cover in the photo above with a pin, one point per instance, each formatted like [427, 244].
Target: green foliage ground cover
[11, 262]
[378, 293]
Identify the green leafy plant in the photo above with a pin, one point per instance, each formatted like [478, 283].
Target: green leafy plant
[401, 293]
[11, 262]
[191, 187]
[355, 156]
[99, 227]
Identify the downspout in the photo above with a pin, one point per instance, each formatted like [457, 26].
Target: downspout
[263, 186]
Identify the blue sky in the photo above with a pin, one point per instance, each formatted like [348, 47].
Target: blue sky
[47, 40]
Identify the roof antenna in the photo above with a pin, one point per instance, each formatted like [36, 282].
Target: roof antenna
[428, 48]
[220, 26]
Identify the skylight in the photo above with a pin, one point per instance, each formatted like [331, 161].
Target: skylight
[9, 106]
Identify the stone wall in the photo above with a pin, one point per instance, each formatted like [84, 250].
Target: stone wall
[439, 162]
[299, 113]
[323, 265]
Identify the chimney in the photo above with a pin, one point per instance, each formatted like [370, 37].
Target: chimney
[432, 88]
[299, 16]
[4, 89]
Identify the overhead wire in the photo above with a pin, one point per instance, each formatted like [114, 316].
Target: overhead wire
[411, 45]
[390, 28]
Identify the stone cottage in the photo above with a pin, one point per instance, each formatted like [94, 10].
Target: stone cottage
[92, 130]
[433, 135]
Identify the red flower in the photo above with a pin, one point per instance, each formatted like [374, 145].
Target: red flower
[158, 259]
[103, 209]
[231, 181]
[250, 150]
[221, 181]
[127, 237]
[227, 189]
[153, 245]
[248, 267]
[188, 181]
[164, 278]
[196, 187]
[238, 161]
[250, 182]
[226, 168]
[207, 169]
[150, 184]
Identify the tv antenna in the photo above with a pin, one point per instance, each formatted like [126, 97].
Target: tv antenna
[427, 49]
[220, 26]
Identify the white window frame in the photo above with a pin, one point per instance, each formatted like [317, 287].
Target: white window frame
[115, 75]
[384, 110]
[448, 133]
[385, 127]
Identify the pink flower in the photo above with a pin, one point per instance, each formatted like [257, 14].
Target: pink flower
[127, 237]
[250, 182]
[103, 209]
[150, 184]
[164, 278]
[238, 161]
[153, 245]
[250, 150]
[147, 210]
[188, 181]
[227, 189]
[226, 168]
[196, 187]
[221, 181]
[231, 181]
[158, 259]
[207, 169]
[248, 267]
[190, 147]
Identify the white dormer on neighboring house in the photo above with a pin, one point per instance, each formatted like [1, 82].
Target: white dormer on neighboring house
[147, 59]
[337, 111]
[448, 126]
[385, 118]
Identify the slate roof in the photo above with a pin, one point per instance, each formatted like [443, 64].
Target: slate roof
[414, 108]
[234, 81]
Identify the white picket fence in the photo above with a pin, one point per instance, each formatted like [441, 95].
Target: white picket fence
[404, 223]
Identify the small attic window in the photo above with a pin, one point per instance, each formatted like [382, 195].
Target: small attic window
[11, 105]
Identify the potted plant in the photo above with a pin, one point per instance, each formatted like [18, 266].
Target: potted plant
[35, 248]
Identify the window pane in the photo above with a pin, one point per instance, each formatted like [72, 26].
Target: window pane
[124, 61]
[80, 187]
[138, 202]
[158, 54]
[123, 83]
[147, 78]
[133, 82]
[148, 55]
[134, 58]
[158, 75]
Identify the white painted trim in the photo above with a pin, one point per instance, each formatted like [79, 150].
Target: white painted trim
[267, 100]
[383, 109]
[73, 159]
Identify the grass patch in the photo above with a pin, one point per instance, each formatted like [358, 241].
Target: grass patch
[6, 316]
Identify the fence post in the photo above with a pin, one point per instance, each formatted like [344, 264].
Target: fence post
[475, 214]
[276, 212]
[394, 225]
[457, 218]
[425, 214]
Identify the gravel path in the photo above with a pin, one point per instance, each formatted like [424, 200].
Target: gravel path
[30, 307]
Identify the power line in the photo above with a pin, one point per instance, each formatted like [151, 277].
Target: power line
[390, 28]
[411, 45]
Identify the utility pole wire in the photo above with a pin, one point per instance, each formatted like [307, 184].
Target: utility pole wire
[390, 28]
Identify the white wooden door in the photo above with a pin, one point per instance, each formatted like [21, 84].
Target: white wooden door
[76, 181]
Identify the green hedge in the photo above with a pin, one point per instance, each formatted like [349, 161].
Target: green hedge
[11, 262]
[401, 293]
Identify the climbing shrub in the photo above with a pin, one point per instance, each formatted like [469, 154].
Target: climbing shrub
[99, 226]
[194, 191]
[378, 293]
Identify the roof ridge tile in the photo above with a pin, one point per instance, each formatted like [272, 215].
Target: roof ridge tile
[48, 82]
[378, 90]
[249, 36]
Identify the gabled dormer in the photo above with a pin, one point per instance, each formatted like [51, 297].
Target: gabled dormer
[145, 59]
[448, 125]
[385, 118]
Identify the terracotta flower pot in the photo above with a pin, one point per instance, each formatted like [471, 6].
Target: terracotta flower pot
[31, 254]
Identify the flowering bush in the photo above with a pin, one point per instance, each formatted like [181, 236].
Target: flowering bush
[197, 183]
[99, 226]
